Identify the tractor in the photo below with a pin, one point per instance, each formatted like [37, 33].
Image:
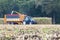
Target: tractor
[18, 18]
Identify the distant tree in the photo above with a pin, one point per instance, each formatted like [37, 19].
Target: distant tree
[51, 7]
[23, 6]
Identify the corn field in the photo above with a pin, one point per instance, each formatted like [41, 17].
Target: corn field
[29, 32]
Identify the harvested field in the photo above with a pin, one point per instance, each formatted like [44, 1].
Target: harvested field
[20, 32]
[39, 20]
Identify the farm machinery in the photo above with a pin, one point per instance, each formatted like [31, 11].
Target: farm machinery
[18, 18]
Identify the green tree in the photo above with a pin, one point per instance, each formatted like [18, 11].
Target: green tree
[51, 7]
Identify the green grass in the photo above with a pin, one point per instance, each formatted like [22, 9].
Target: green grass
[1, 22]
[43, 20]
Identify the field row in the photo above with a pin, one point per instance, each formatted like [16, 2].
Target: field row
[20, 32]
[39, 20]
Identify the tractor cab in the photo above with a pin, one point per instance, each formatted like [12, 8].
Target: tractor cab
[29, 20]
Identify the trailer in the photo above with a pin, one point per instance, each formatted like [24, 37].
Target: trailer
[18, 19]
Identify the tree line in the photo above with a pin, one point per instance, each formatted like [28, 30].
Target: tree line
[34, 8]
